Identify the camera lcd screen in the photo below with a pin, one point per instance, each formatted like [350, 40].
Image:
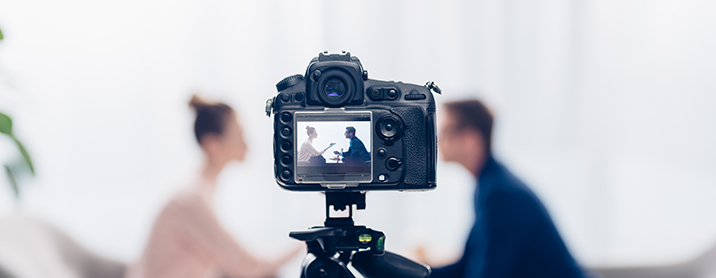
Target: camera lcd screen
[333, 147]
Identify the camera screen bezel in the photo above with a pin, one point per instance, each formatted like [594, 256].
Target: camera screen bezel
[303, 177]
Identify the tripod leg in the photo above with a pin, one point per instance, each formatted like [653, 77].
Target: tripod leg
[388, 265]
[323, 266]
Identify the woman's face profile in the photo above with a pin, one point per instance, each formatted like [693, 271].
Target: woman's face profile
[312, 133]
[232, 140]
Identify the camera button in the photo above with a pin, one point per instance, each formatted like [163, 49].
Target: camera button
[393, 163]
[285, 117]
[316, 74]
[285, 97]
[375, 94]
[381, 152]
[286, 131]
[392, 94]
[299, 96]
[286, 146]
[382, 177]
[286, 174]
[286, 160]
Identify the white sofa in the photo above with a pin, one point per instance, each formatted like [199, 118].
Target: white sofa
[30, 247]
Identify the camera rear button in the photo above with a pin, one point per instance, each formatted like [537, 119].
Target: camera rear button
[382, 177]
[286, 174]
[316, 74]
[381, 152]
[286, 160]
[375, 94]
[393, 163]
[286, 131]
[285, 117]
[285, 97]
[392, 94]
[286, 146]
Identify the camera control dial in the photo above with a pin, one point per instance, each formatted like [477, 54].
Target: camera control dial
[288, 82]
[390, 127]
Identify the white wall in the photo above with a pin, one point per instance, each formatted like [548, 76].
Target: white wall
[604, 107]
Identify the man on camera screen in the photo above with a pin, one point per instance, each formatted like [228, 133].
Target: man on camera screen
[356, 153]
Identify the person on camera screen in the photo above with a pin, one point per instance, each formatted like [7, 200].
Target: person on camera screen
[308, 154]
[513, 235]
[356, 155]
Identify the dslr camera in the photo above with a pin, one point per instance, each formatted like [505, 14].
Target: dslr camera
[337, 130]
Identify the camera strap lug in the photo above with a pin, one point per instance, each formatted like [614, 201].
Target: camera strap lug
[269, 106]
[434, 87]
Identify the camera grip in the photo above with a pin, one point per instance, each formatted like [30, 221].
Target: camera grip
[415, 140]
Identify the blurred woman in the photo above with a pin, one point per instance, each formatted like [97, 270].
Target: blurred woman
[308, 152]
[187, 239]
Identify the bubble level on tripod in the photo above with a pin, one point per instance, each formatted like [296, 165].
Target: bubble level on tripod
[380, 245]
[365, 238]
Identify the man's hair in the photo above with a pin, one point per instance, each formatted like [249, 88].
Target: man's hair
[472, 114]
[351, 129]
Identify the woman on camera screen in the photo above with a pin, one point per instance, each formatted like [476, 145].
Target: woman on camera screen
[187, 239]
[308, 153]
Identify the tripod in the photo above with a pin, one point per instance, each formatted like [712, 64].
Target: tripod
[339, 242]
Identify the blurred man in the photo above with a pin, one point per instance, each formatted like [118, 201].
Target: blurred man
[513, 235]
[356, 154]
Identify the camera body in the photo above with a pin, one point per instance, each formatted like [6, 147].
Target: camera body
[385, 130]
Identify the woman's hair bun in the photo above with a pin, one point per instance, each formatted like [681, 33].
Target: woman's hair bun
[211, 117]
[197, 102]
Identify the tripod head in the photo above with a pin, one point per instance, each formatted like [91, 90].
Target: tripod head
[331, 248]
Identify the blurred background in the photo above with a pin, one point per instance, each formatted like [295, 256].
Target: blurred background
[605, 108]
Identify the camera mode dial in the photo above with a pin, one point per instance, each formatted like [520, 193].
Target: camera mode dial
[288, 82]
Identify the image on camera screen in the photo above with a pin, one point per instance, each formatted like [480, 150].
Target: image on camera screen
[333, 147]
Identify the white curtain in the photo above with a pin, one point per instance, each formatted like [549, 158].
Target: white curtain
[605, 108]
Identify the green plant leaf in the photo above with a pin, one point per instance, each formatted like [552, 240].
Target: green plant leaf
[13, 182]
[25, 155]
[5, 124]
[1, 37]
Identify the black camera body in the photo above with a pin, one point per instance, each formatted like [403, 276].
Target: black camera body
[388, 129]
